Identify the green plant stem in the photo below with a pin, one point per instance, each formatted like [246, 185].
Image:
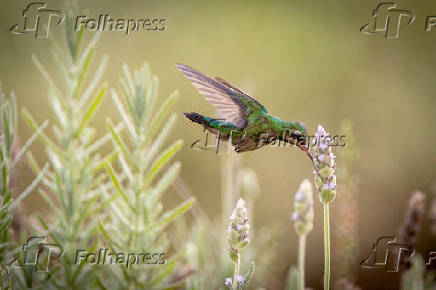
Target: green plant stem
[326, 247]
[301, 257]
[236, 273]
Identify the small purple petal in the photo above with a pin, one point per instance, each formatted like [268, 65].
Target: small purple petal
[295, 216]
[332, 185]
[229, 282]
[239, 279]
[321, 131]
[239, 227]
[323, 146]
[325, 186]
[321, 157]
[299, 196]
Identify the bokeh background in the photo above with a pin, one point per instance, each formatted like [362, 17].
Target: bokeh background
[304, 60]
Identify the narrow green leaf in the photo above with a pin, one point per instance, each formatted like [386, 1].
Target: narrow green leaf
[29, 142]
[165, 181]
[117, 185]
[45, 75]
[128, 78]
[94, 82]
[100, 142]
[32, 163]
[161, 161]
[33, 125]
[92, 108]
[124, 115]
[6, 127]
[171, 215]
[157, 144]
[30, 187]
[163, 110]
[121, 145]
[82, 70]
[106, 235]
[42, 222]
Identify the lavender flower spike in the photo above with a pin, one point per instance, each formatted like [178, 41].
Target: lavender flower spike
[324, 160]
[237, 237]
[303, 208]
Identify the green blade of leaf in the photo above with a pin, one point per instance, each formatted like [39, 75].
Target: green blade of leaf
[171, 215]
[92, 108]
[161, 161]
[29, 188]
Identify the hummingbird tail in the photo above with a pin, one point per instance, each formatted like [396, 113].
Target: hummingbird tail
[215, 126]
[197, 118]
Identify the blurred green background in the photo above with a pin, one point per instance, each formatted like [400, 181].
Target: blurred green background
[303, 60]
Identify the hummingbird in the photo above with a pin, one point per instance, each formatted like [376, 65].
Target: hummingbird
[244, 119]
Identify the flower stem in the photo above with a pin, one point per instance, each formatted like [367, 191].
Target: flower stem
[326, 247]
[301, 257]
[236, 273]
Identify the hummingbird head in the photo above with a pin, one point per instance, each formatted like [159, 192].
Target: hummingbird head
[300, 134]
[296, 134]
[302, 139]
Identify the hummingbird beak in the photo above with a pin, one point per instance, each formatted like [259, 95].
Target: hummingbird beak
[305, 149]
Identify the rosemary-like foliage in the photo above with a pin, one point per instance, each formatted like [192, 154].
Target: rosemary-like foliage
[71, 187]
[10, 155]
[137, 222]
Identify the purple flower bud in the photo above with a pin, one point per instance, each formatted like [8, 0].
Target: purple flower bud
[300, 196]
[229, 282]
[332, 185]
[239, 279]
[321, 131]
[295, 216]
[323, 146]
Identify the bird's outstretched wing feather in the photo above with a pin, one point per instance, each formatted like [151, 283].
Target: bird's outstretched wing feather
[233, 104]
[245, 95]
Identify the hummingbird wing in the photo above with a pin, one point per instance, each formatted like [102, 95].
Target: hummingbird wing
[251, 99]
[233, 104]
